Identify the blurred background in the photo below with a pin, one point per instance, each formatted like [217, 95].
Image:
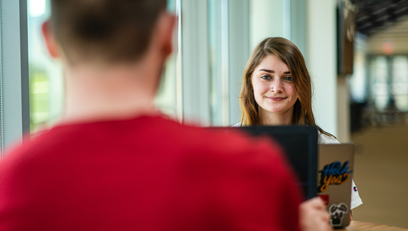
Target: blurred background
[356, 52]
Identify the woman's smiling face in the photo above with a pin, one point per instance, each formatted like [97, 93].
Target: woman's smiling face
[274, 91]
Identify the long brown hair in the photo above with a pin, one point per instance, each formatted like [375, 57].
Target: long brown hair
[293, 58]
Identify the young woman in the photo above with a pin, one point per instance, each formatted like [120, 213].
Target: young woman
[277, 90]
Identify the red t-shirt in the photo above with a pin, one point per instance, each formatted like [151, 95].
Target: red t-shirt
[146, 173]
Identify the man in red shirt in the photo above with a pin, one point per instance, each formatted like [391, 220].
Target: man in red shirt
[113, 163]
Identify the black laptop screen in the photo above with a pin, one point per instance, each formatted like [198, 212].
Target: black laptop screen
[300, 146]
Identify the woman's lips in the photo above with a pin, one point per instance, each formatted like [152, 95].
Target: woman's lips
[276, 98]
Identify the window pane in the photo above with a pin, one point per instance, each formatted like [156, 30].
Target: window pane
[46, 78]
[46, 82]
[215, 55]
[399, 86]
[379, 74]
[166, 98]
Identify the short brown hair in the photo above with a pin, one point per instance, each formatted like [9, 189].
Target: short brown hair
[109, 30]
[286, 51]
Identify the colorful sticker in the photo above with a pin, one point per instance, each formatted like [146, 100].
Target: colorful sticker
[337, 213]
[334, 173]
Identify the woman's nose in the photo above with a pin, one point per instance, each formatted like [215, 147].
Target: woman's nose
[277, 86]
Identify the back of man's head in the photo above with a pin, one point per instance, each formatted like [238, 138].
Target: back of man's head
[108, 30]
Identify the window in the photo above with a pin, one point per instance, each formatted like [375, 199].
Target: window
[201, 79]
[46, 81]
[46, 74]
[389, 82]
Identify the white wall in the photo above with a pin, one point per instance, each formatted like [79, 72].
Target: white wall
[267, 19]
[343, 110]
[321, 61]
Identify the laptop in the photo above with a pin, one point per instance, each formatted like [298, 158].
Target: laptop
[335, 173]
[300, 146]
[324, 167]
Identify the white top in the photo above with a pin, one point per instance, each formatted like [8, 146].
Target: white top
[325, 139]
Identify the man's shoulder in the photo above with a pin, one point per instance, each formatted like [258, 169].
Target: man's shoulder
[225, 144]
[36, 147]
[234, 146]
[148, 135]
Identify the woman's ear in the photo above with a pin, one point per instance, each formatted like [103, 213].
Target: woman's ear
[50, 40]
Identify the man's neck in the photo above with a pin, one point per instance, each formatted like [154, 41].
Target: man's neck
[109, 93]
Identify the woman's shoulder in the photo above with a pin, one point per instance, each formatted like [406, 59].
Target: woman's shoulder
[237, 125]
[327, 139]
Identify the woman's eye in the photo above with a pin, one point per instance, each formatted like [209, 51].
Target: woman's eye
[266, 77]
[288, 78]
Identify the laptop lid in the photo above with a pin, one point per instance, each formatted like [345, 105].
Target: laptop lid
[300, 146]
[335, 173]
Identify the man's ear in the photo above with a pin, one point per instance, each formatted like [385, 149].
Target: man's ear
[50, 40]
[166, 28]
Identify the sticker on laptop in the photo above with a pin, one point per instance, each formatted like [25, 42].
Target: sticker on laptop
[335, 173]
[337, 213]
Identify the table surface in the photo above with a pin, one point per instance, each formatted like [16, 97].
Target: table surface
[364, 226]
